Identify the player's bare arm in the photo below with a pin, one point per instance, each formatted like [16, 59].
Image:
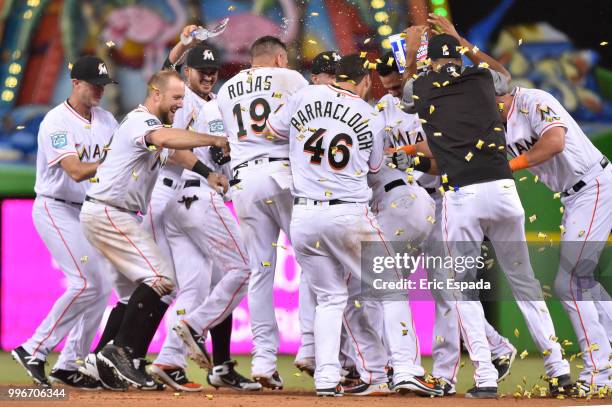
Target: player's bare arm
[477, 57]
[550, 144]
[77, 170]
[179, 139]
[179, 49]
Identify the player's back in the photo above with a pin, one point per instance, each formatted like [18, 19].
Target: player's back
[245, 102]
[335, 140]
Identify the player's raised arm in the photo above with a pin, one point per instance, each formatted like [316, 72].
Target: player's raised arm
[180, 48]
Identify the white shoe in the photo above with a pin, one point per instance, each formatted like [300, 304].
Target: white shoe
[366, 389]
[90, 367]
[274, 382]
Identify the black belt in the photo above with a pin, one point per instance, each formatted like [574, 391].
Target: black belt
[168, 182]
[304, 201]
[63, 200]
[94, 200]
[394, 184]
[581, 184]
[270, 160]
[192, 183]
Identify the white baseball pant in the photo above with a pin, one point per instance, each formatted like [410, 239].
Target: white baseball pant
[87, 290]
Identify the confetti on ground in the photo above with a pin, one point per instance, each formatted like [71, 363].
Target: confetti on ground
[437, 84]
[444, 178]
[399, 232]
[524, 354]
[210, 396]
[542, 235]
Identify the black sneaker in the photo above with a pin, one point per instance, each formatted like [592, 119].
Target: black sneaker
[74, 378]
[561, 385]
[481, 393]
[352, 377]
[106, 374]
[120, 359]
[448, 388]
[337, 391]
[503, 365]
[274, 382]
[35, 368]
[196, 344]
[226, 376]
[140, 364]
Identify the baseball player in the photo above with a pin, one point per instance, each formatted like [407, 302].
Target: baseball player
[323, 73]
[262, 201]
[72, 142]
[543, 137]
[335, 140]
[200, 112]
[460, 125]
[140, 147]
[405, 129]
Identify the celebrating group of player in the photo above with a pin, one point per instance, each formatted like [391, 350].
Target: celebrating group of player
[142, 204]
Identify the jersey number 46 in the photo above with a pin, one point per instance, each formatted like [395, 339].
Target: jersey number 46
[338, 154]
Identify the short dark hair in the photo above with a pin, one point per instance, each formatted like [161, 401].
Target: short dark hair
[385, 67]
[266, 45]
[351, 68]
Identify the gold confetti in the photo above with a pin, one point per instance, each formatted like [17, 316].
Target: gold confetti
[479, 144]
[532, 218]
[393, 205]
[367, 40]
[210, 396]
[561, 209]
[522, 179]
[430, 219]
[70, 65]
[134, 175]
[328, 193]
[542, 235]
[110, 44]
[312, 42]
[469, 156]
[265, 263]
[358, 172]
[437, 84]
[524, 354]
[431, 109]
[269, 201]
[366, 63]
[357, 304]
[93, 180]
[500, 106]
[516, 332]
[277, 95]
[413, 196]
[483, 65]
[520, 41]
[462, 364]
[20, 127]
[562, 228]
[437, 134]
[317, 244]
[546, 352]
[445, 83]
[399, 232]
[84, 259]
[603, 43]
[298, 374]
[557, 195]
[524, 111]
[410, 179]
[231, 8]
[444, 178]
[415, 97]
[326, 57]
[593, 347]
[500, 148]
[363, 54]
[536, 179]
[390, 61]
[177, 394]
[497, 129]
[423, 121]
[475, 49]
[404, 332]
[314, 14]
[152, 148]
[439, 339]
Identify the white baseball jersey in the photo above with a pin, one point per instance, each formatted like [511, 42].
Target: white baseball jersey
[534, 111]
[401, 129]
[336, 138]
[62, 133]
[208, 121]
[245, 102]
[127, 177]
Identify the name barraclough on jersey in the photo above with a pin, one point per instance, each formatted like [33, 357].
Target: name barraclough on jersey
[336, 111]
[256, 84]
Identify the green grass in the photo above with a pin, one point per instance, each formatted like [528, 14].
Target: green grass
[528, 369]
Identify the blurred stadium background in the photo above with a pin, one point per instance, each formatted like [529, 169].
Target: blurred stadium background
[559, 46]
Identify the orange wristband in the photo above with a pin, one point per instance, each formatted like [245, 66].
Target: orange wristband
[409, 149]
[519, 163]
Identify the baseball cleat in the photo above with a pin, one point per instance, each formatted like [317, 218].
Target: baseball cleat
[35, 368]
[175, 377]
[419, 386]
[366, 389]
[583, 389]
[106, 375]
[120, 359]
[481, 393]
[350, 377]
[447, 387]
[503, 364]
[274, 382]
[196, 344]
[337, 391]
[561, 385]
[306, 365]
[226, 376]
[141, 365]
[74, 378]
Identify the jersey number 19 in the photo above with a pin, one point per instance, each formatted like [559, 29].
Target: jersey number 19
[258, 120]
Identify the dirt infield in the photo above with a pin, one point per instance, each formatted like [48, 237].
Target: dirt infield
[168, 398]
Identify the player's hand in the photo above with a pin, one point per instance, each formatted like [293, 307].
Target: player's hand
[400, 160]
[186, 38]
[218, 156]
[218, 182]
[413, 37]
[443, 24]
[223, 144]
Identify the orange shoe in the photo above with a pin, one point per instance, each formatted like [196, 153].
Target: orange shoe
[174, 377]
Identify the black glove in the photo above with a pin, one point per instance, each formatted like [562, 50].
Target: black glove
[216, 153]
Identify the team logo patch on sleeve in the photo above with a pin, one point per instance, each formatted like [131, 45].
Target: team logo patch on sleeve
[59, 139]
[153, 122]
[216, 126]
[547, 114]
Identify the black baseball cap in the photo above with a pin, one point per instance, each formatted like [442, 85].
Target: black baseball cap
[202, 56]
[443, 46]
[326, 62]
[92, 69]
[387, 64]
[350, 68]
